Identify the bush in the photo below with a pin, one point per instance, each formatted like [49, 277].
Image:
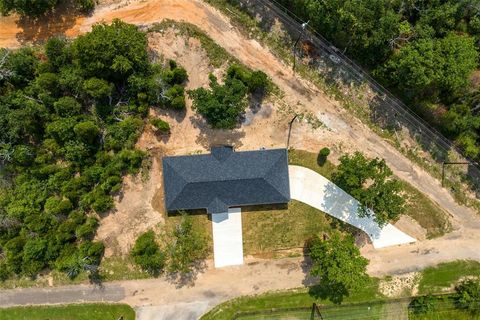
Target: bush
[422, 305]
[324, 152]
[175, 97]
[468, 296]
[160, 125]
[146, 253]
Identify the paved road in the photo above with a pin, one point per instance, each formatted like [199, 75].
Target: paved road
[111, 292]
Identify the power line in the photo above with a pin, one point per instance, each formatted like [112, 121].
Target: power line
[418, 126]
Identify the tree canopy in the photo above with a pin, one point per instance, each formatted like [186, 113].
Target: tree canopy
[424, 51]
[70, 113]
[223, 105]
[372, 184]
[35, 8]
[338, 265]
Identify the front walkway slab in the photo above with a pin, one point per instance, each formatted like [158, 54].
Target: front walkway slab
[315, 190]
[227, 238]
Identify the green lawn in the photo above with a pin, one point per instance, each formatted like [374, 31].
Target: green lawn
[268, 228]
[418, 206]
[297, 298]
[442, 277]
[69, 312]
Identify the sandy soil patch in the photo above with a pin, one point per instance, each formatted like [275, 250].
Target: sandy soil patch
[411, 227]
[400, 285]
[134, 212]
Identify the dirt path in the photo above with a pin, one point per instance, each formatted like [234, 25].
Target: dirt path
[210, 288]
[344, 131]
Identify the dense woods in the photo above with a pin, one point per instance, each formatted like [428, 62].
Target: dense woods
[36, 8]
[70, 114]
[424, 51]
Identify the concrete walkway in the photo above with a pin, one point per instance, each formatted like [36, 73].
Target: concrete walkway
[315, 190]
[227, 238]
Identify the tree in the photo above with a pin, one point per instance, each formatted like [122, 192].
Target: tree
[67, 107]
[372, 184]
[338, 265]
[468, 296]
[423, 305]
[432, 67]
[146, 253]
[87, 132]
[186, 247]
[112, 52]
[26, 7]
[222, 105]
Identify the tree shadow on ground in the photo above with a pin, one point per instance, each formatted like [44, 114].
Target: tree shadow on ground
[188, 279]
[210, 137]
[54, 23]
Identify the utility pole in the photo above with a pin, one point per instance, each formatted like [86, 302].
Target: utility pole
[290, 129]
[304, 26]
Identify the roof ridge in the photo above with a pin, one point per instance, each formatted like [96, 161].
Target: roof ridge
[267, 175]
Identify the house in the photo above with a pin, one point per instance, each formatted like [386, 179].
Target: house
[225, 178]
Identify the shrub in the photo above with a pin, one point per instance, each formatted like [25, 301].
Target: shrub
[468, 296]
[146, 253]
[422, 305]
[160, 125]
[324, 152]
[175, 97]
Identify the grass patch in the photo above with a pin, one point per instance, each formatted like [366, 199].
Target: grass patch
[96, 311]
[441, 277]
[444, 309]
[201, 222]
[427, 213]
[296, 298]
[270, 228]
[311, 161]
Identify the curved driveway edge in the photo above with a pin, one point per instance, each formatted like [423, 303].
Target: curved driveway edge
[315, 190]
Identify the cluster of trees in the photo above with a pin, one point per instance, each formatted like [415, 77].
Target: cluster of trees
[339, 266]
[466, 298]
[371, 182]
[184, 247]
[70, 115]
[425, 51]
[35, 8]
[223, 104]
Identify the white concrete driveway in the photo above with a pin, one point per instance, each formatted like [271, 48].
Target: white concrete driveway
[227, 238]
[315, 190]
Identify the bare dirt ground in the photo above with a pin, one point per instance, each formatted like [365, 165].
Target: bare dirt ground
[268, 128]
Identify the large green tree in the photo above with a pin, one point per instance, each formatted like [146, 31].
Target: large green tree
[372, 184]
[338, 265]
[431, 67]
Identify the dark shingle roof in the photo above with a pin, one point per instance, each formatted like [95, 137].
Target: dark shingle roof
[226, 179]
